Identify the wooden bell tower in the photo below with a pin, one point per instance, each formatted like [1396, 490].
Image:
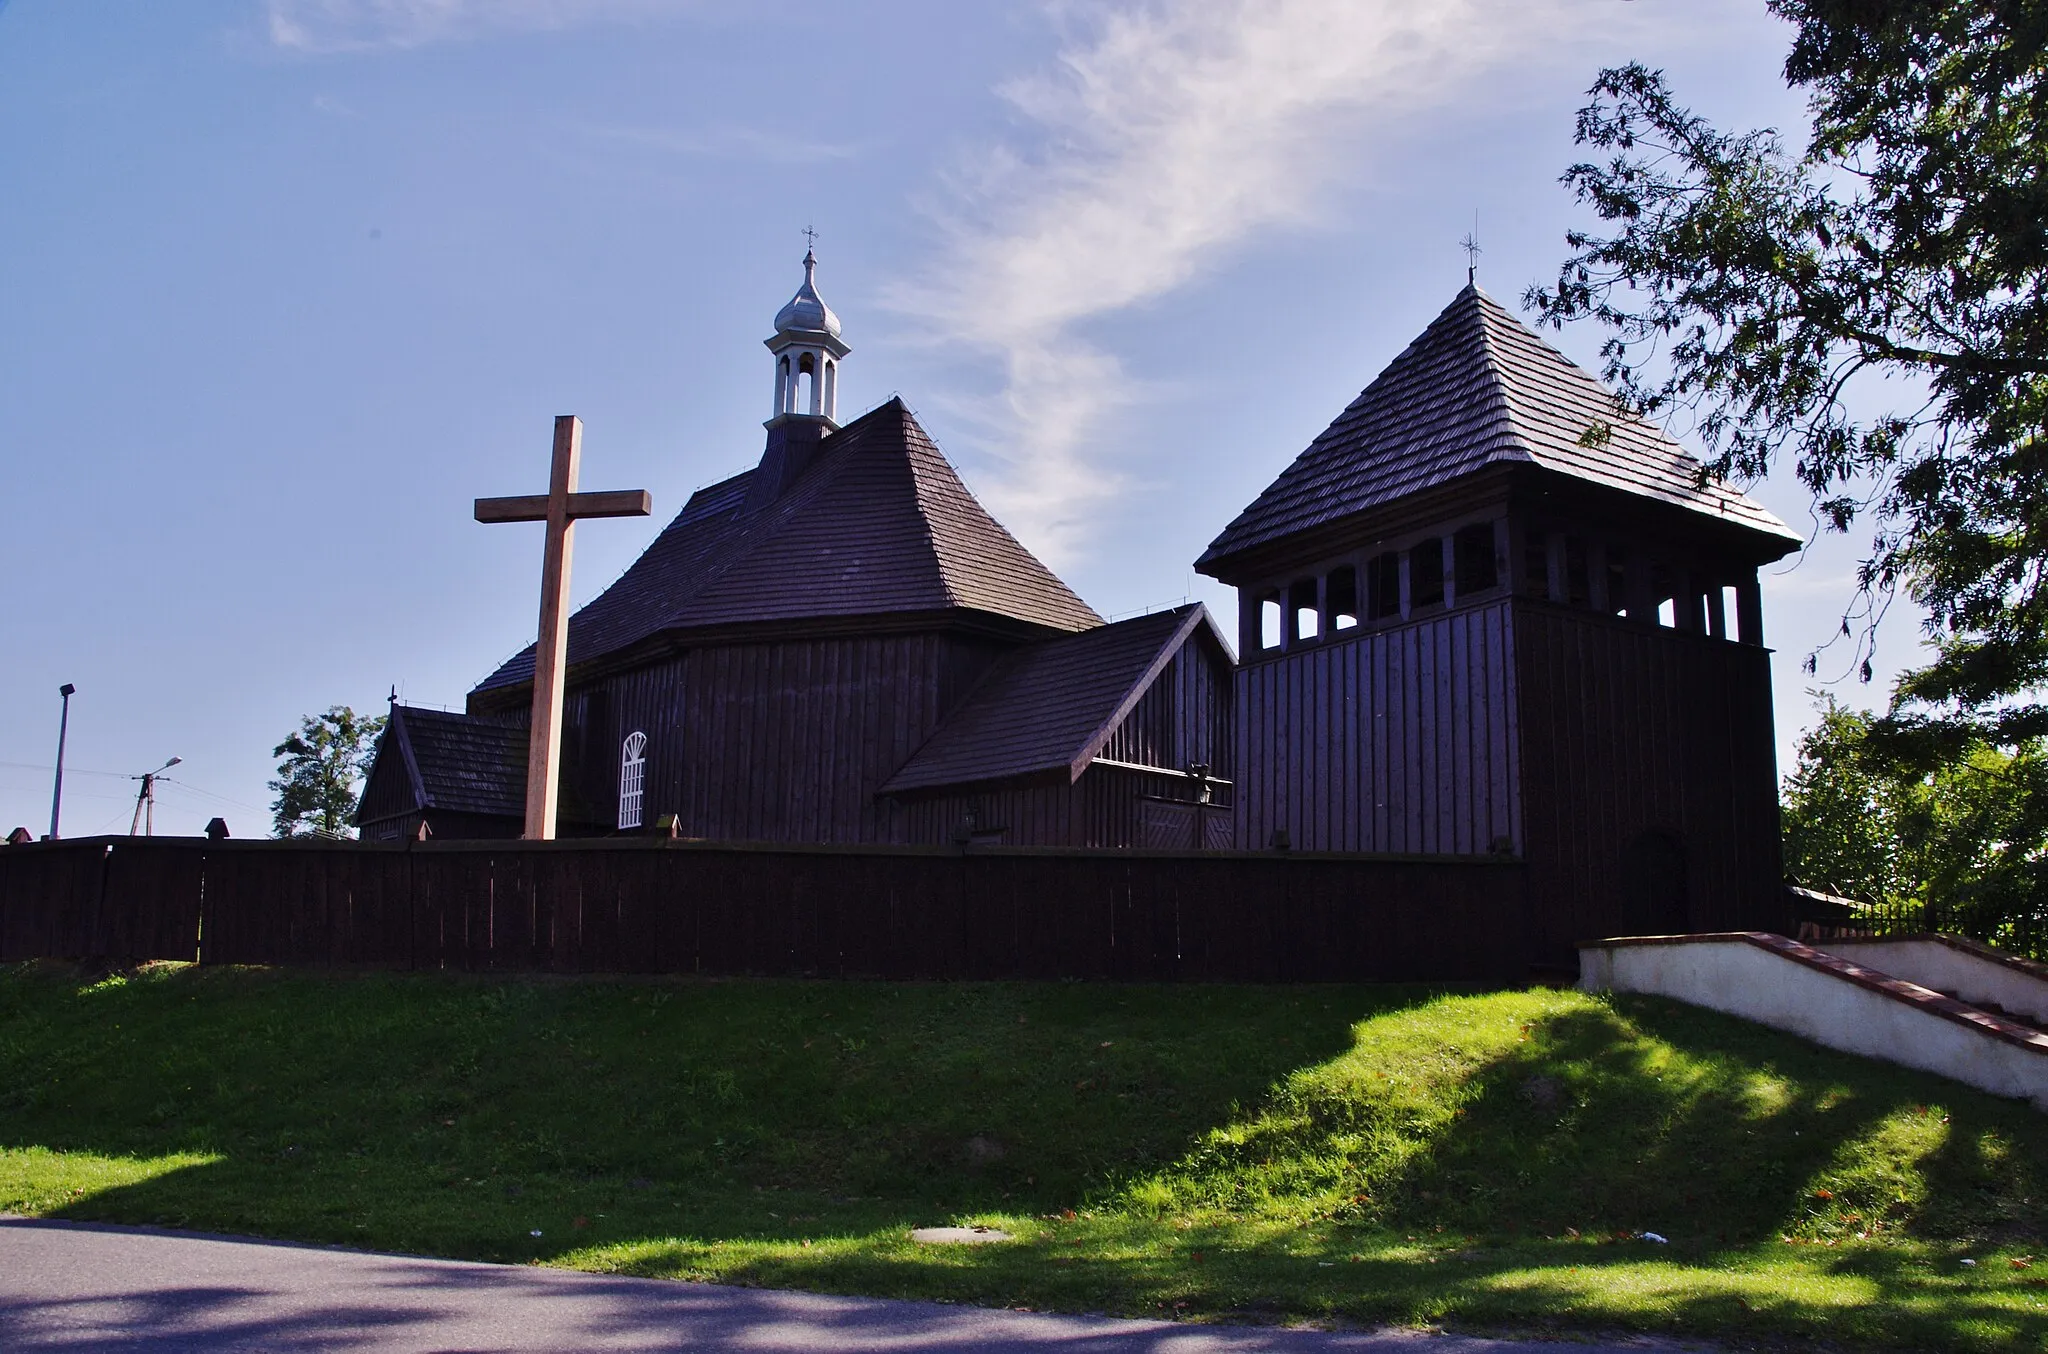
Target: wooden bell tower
[1485, 614]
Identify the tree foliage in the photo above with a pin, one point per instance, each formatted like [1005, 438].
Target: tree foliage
[1841, 821]
[1764, 292]
[1960, 847]
[317, 773]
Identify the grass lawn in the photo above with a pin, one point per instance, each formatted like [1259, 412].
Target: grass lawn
[1373, 1154]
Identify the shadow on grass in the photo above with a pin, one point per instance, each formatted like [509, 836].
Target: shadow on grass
[1651, 1116]
[456, 1115]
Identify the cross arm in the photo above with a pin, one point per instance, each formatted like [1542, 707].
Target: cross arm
[534, 507]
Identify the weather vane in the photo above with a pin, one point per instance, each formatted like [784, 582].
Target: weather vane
[1470, 244]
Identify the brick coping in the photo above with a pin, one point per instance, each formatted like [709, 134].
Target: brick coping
[1977, 948]
[1896, 989]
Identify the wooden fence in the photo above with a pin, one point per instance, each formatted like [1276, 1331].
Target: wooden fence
[665, 907]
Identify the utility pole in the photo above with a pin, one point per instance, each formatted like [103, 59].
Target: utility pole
[145, 800]
[63, 728]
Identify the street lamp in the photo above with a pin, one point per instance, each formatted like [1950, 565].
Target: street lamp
[146, 798]
[63, 728]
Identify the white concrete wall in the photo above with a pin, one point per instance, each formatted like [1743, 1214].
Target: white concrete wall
[1945, 968]
[1759, 984]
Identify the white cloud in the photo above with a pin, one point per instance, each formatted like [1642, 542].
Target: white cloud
[1165, 135]
[355, 25]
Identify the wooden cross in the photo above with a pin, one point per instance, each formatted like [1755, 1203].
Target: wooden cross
[559, 507]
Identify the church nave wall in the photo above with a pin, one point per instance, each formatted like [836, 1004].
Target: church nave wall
[777, 741]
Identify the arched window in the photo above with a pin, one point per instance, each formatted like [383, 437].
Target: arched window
[632, 779]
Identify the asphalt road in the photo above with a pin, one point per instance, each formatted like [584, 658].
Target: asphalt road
[72, 1286]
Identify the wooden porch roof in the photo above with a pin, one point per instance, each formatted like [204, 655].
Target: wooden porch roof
[1048, 708]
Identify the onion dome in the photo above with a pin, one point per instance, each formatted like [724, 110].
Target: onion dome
[807, 312]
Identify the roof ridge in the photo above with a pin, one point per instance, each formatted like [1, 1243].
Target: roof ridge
[754, 531]
[936, 499]
[920, 491]
[403, 734]
[1502, 388]
[1706, 482]
[1528, 332]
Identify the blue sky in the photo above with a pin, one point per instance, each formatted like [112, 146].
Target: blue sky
[285, 284]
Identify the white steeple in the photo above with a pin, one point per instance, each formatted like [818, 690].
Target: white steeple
[807, 350]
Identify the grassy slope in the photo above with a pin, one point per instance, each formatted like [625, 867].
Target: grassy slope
[1363, 1152]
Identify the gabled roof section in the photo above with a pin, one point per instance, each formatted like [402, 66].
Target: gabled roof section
[1477, 388]
[457, 762]
[877, 523]
[1049, 707]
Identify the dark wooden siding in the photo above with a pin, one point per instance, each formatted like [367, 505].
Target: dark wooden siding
[784, 741]
[1401, 740]
[790, 741]
[1185, 718]
[447, 825]
[1104, 809]
[1630, 730]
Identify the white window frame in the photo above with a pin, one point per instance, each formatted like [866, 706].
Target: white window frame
[632, 780]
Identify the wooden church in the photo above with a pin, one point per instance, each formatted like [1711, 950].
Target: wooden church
[841, 645]
[1485, 614]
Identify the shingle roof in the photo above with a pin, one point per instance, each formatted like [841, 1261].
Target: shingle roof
[1477, 388]
[878, 523]
[1049, 706]
[463, 763]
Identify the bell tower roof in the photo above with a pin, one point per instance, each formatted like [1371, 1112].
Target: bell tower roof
[1477, 389]
[807, 312]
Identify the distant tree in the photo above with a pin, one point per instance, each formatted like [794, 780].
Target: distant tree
[1841, 820]
[1960, 847]
[317, 773]
[1897, 264]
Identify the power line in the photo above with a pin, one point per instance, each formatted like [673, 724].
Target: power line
[68, 770]
[190, 788]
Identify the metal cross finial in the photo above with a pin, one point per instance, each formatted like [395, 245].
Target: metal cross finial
[810, 240]
[1470, 244]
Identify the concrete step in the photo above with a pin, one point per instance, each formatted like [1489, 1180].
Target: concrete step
[1835, 1001]
[1989, 979]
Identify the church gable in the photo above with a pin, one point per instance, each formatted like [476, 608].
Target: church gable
[1048, 710]
[440, 761]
